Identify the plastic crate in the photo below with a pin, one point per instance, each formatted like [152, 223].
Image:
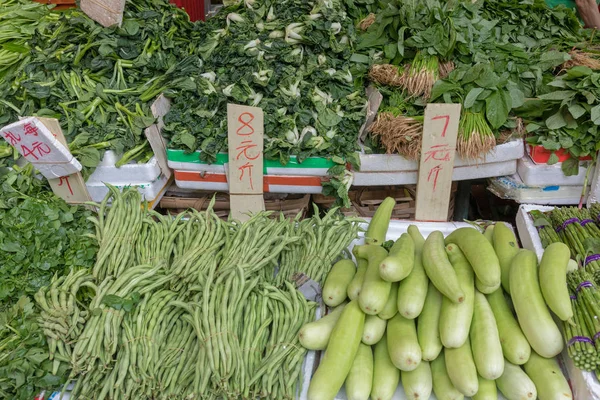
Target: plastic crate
[195, 8]
[540, 155]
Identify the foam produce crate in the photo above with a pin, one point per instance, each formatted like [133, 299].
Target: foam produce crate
[513, 188]
[584, 384]
[541, 175]
[147, 178]
[312, 166]
[503, 153]
[271, 183]
[395, 229]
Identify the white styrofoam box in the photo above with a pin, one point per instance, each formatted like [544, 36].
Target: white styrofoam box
[546, 175]
[459, 174]
[584, 384]
[106, 171]
[149, 190]
[396, 228]
[38, 145]
[512, 150]
[511, 187]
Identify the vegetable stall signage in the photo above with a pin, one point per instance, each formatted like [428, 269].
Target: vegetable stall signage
[440, 130]
[245, 137]
[38, 145]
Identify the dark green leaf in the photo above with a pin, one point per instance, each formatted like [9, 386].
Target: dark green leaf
[472, 97]
[553, 159]
[556, 121]
[570, 167]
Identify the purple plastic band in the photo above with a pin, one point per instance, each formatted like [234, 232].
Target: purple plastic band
[593, 257]
[582, 339]
[569, 222]
[584, 285]
[596, 336]
[558, 229]
[573, 297]
[585, 222]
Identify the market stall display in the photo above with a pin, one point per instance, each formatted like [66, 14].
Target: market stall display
[459, 335]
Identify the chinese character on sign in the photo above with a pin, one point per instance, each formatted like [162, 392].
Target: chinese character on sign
[248, 166]
[433, 174]
[244, 147]
[41, 148]
[12, 138]
[439, 152]
[65, 179]
[30, 129]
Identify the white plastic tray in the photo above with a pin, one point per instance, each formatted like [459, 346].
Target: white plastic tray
[584, 384]
[549, 175]
[393, 162]
[512, 187]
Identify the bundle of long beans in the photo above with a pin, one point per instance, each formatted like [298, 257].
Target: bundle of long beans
[191, 306]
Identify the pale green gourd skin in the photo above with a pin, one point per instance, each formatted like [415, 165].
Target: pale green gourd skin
[335, 289]
[515, 384]
[485, 340]
[391, 306]
[403, 344]
[532, 313]
[515, 346]
[442, 386]
[506, 247]
[418, 384]
[374, 291]
[360, 378]
[380, 222]
[400, 262]
[455, 319]
[487, 390]
[357, 281]
[480, 253]
[428, 325]
[489, 234]
[548, 378]
[439, 269]
[461, 369]
[553, 280]
[339, 356]
[385, 375]
[413, 289]
[374, 329]
[315, 335]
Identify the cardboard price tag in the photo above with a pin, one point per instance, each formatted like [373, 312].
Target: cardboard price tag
[434, 185]
[245, 128]
[40, 146]
[105, 12]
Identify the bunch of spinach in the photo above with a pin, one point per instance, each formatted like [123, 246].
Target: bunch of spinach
[25, 368]
[567, 116]
[40, 235]
[99, 82]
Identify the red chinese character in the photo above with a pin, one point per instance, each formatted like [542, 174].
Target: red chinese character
[30, 129]
[248, 167]
[66, 180]
[244, 147]
[12, 138]
[439, 152]
[434, 172]
[41, 148]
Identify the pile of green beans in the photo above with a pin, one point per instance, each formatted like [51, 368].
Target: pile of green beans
[62, 316]
[322, 241]
[212, 317]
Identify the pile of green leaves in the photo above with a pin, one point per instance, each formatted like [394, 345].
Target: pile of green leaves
[99, 82]
[40, 235]
[291, 58]
[567, 116]
[25, 370]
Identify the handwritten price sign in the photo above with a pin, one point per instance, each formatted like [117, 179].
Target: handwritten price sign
[245, 126]
[38, 145]
[434, 185]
